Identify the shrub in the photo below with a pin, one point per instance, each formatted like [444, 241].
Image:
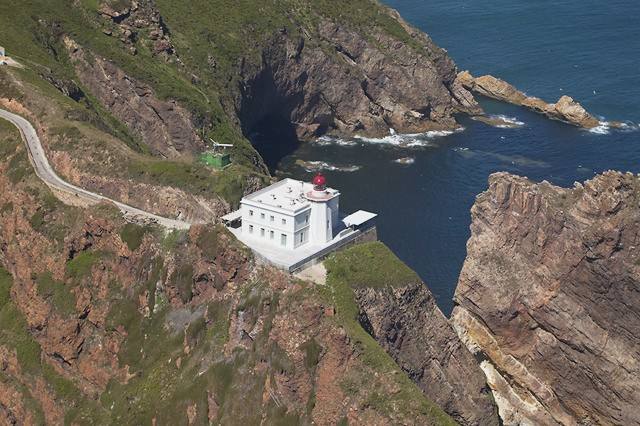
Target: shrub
[81, 265]
[133, 234]
[63, 300]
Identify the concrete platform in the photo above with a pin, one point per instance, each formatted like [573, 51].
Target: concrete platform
[302, 257]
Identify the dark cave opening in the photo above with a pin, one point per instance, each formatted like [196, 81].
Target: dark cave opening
[274, 137]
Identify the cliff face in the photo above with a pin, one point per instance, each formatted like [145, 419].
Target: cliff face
[322, 67]
[397, 309]
[164, 126]
[407, 323]
[346, 82]
[549, 297]
[104, 322]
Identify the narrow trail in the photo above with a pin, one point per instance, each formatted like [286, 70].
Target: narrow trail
[46, 173]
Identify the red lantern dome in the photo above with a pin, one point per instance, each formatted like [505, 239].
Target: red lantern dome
[319, 182]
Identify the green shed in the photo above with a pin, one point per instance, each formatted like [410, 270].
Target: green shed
[216, 160]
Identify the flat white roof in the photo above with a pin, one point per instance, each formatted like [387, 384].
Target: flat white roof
[287, 194]
[358, 218]
[230, 217]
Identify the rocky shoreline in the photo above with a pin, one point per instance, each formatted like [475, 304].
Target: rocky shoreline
[565, 109]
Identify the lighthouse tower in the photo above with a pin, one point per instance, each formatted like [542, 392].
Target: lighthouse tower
[324, 210]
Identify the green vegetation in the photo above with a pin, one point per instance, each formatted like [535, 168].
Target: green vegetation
[80, 266]
[373, 265]
[208, 241]
[14, 334]
[194, 177]
[370, 265]
[202, 31]
[5, 287]
[62, 299]
[183, 280]
[133, 234]
[62, 387]
[312, 351]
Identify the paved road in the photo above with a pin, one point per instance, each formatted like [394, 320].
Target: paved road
[48, 175]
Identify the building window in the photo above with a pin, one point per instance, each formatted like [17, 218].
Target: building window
[272, 218]
[302, 237]
[306, 219]
[262, 232]
[284, 221]
[271, 234]
[261, 215]
[251, 229]
[250, 212]
[283, 239]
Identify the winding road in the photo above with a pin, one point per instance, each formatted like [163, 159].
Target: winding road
[46, 173]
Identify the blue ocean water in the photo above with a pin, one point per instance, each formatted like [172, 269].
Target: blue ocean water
[585, 48]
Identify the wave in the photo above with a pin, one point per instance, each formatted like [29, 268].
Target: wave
[403, 140]
[317, 166]
[605, 127]
[330, 140]
[601, 129]
[408, 140]
[509, 121]
[405, 161]
[500, 121]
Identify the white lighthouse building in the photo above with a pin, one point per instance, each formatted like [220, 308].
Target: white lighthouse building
[292, 223]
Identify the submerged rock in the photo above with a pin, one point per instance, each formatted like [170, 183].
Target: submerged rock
[549, 297]
[566, 109]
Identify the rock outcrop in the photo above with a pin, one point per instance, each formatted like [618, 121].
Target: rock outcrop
[408, 324]
[364, 85]
[103, 322]
[549, 299]
[130, 21]
[165, 126]
[566, 109]
[392, 304]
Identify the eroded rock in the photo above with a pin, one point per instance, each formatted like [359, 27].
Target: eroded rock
[549, 296]
[566, 109]
[407, 322]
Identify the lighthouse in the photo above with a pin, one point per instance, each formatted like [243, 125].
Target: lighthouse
[292, 223]
[324, 209]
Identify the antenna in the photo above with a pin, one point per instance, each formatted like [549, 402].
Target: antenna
[215, 145]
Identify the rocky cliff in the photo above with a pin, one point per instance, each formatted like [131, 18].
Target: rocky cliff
[104, 322]
[345, 82]
[397, 309]
[565, 109]
[549, 299]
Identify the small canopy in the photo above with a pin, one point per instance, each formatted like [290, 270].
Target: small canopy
[358, 218]
[232, 216]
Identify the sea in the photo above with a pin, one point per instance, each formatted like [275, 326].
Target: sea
[423, 186]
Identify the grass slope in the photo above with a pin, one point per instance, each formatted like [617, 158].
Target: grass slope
[374, 265]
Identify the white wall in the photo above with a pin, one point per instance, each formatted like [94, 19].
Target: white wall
[292, 227]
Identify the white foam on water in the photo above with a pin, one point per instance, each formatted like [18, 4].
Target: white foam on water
[510, 121]
[606, 127]
[408, 140]
[316, 166]
[601, 129]
[405, 161]
[330, 140]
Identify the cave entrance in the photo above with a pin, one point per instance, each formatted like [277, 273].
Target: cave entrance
[274, 137]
